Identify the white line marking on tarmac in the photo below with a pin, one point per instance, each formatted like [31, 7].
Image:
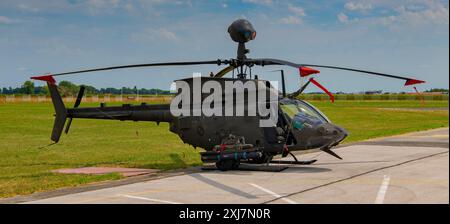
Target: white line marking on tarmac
[148, 199]
[383, 189]
[274, 194]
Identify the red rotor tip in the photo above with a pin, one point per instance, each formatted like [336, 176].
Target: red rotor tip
[47, 78]
[305, 71]
[323, 88]
[413, 81]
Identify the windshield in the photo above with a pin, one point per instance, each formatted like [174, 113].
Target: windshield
[303, 110]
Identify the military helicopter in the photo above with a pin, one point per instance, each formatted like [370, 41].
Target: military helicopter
[227, 140]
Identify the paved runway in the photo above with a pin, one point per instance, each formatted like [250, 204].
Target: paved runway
[412, 168]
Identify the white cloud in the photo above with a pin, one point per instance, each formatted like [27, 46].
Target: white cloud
[260, 2]
[358, 6]
[129, 7]
[434, 14]
[22, 69]
[342, 18]
[99, 6]
[166, 34]
[398, 14]
[155, 34]
[27, 8]
[291, 20]
[6, 20]
[299, 11]
[295, 17]
[60, 47]
[102, 3]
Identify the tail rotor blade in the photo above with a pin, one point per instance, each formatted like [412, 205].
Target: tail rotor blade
[79, 97]
[77, 104]
[68, 126]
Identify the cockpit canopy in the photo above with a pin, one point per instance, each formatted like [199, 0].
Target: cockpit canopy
[302, 113]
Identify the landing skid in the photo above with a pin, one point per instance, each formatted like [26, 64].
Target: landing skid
[265, 166]
[307, 162]
[252, 167]
[296, 162]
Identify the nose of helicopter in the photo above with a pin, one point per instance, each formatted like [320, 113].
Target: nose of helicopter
[333, 134]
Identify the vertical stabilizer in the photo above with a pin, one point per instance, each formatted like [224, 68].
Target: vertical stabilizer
[58, 104]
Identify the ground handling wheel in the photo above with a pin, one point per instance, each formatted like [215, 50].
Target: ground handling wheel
[229, 160]
[265, 158]
[227, 164]
[230, 152]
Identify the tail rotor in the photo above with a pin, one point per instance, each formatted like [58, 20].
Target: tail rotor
[76, 105]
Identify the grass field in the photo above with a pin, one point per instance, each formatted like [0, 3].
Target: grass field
[26, 160]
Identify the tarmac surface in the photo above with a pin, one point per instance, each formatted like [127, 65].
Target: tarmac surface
[411, 168]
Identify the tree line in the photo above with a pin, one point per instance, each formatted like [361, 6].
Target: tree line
[67, 88]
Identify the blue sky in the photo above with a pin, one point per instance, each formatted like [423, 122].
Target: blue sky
[402, 37]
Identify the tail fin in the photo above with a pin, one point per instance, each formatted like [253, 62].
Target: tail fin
[60, 110]
[58, 104]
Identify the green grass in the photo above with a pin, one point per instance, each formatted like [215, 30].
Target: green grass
[26, 160]
[368, 119]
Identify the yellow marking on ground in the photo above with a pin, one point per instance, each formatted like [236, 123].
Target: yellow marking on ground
[149, 191]
[398, 181]
[85, 201]
[412, 134]
[439, 136]
[428, 136]
[148, 199]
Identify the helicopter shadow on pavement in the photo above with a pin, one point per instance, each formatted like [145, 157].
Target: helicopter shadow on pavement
[312, 169]
[291, 169]
[306, 169]
[353, 162]
[221, 186]
[246, 169]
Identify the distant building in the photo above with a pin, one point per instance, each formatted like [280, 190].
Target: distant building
[371, 92]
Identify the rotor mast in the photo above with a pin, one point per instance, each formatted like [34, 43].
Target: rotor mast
[241, 31]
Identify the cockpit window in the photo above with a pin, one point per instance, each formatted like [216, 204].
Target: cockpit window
[303, 110]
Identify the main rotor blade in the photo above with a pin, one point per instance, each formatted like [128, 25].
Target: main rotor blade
[299, 91]
[224, 71]
[362, 71]
[271, 61]
[217, 62]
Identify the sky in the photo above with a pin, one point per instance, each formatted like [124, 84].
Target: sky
[401, 37]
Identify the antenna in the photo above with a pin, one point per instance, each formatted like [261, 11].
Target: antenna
[283, 83]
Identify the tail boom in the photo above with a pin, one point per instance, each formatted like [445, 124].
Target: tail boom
[142, 112]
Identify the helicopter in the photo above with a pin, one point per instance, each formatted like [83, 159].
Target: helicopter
[228, 141]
